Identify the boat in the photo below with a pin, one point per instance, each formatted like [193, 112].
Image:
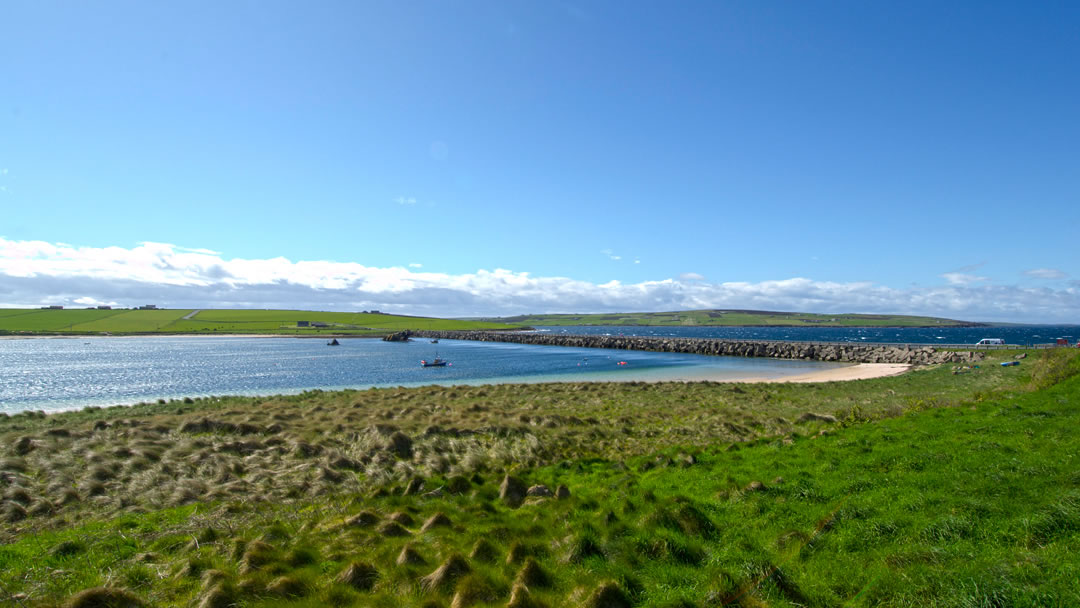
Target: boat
[435, 341]
[333, 342]
[436, 362]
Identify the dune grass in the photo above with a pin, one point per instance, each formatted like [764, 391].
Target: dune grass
[924, 489]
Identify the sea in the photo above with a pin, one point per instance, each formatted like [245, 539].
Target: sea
[55, 374]
[1023, 335]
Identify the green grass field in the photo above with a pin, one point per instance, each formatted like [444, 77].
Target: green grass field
[733, 318]
[927, 489]
[284, 322]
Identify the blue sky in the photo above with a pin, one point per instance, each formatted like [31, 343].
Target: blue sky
[459, 158]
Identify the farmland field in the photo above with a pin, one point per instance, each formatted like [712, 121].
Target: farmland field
[284, 322]
[732, 318]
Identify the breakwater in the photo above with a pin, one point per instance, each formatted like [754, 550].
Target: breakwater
[813, 351]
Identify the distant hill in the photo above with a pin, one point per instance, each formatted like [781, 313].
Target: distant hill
[93, 321]
[733, 318]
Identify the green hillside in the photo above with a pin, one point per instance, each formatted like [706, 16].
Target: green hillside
[734, 318]
[187, 321]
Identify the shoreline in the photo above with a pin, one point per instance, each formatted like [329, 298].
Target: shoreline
[861, 371]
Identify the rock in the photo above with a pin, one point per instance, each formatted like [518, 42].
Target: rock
[754, 486]
[401, 336]
[539, 490]
[562, 492]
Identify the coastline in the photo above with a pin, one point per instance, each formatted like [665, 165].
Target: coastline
[862, 371]
[859, 371]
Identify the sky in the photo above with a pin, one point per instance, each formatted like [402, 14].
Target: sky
[501, 158]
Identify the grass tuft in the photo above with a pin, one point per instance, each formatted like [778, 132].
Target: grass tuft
[105, 597]
[447, 574]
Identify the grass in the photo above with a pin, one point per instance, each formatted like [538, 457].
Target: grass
[929, 489]
[210, 322]
[733, 318]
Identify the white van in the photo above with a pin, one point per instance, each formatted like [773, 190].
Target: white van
[990, 342]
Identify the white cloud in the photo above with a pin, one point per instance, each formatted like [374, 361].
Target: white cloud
[691, 276]
[38, 272]
[416, 265]
[1046, 273]
[405, 200]
[961, 278]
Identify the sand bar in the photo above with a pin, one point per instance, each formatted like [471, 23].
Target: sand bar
[862, 371]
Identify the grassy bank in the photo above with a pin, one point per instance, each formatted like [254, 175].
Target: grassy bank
[932, 488]
[733, 318]
[211, 322]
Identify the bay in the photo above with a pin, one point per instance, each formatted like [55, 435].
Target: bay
[1023, 335]
[55, 374]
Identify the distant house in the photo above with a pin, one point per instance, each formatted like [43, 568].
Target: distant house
[53, 307]
[104, 307]
[148, 307]
[303, 323]
[319, 324]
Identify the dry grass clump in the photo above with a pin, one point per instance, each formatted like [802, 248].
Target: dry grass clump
[363, 519]
[256, 555]
[22, 446]
[438, 520]
[448, 573]
[532, 575]
[392, 529]
[19, 495]
[14, 465]
[512, 491]
[287, 586]
[401, 517]
[518, 552]
[359, 576]
[608, 595]
[218, 596]
[410, 557]
[521, 598]
[473, 589]
[483, 551]
[104, 597]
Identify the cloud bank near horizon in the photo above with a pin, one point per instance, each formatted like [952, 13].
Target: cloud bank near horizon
[37, 273]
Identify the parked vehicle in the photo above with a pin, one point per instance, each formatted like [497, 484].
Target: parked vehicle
[990, 342]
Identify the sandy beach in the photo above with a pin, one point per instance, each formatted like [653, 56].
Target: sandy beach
[862, 371]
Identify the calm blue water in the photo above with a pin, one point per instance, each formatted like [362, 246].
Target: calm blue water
[1022, 334]
[70, 373]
